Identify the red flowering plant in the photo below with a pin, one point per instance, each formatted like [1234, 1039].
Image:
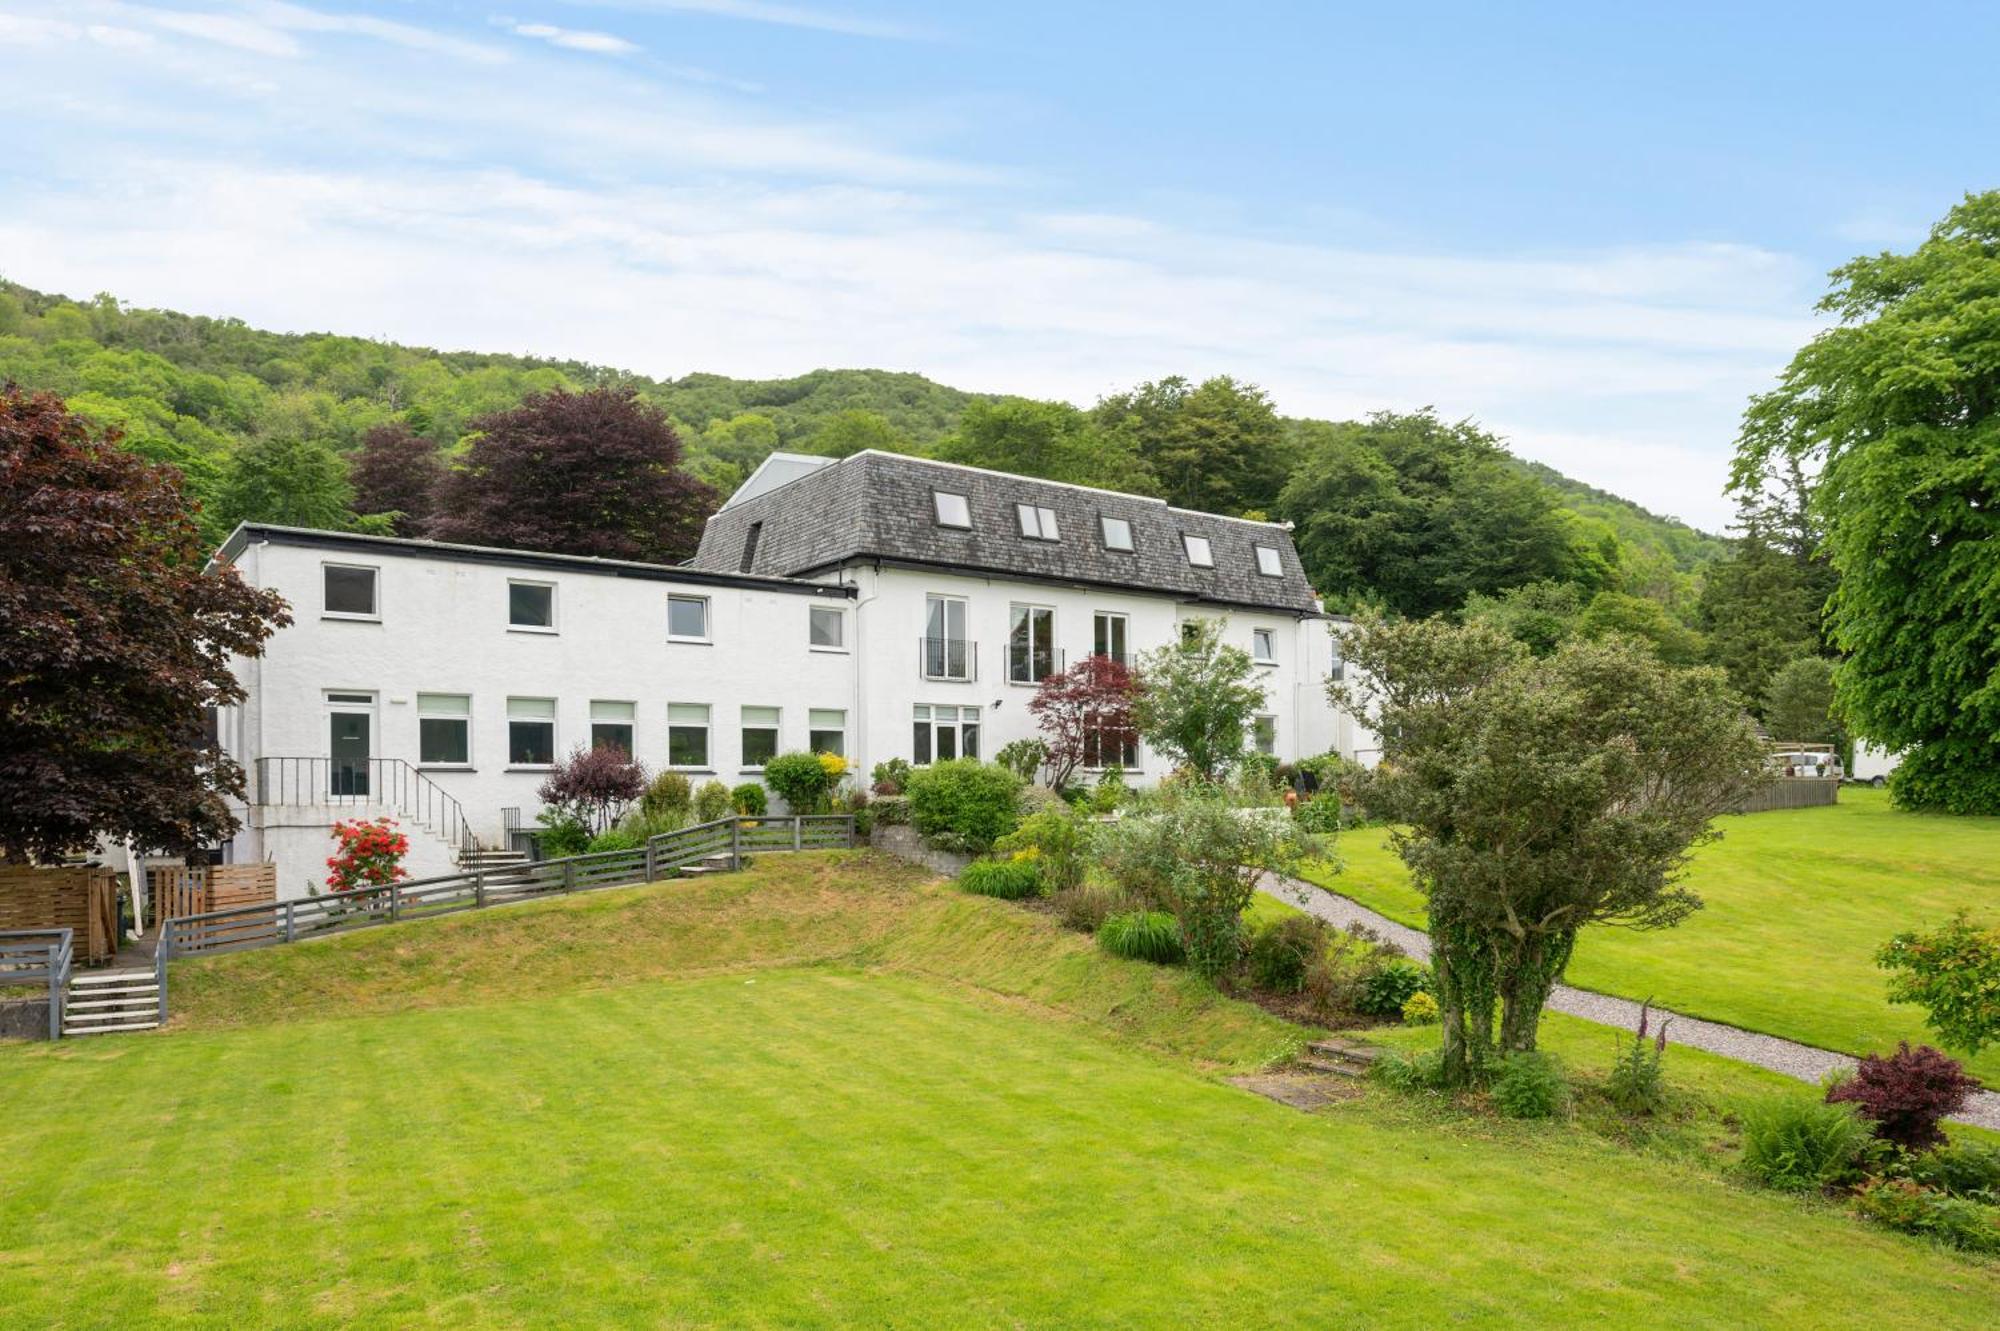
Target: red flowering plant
[370, 854]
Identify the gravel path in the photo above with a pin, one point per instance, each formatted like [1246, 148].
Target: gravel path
[1803, 1061]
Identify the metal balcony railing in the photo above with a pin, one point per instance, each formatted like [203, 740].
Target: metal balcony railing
[954, 659]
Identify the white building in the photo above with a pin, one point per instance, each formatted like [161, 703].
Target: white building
[880, 606]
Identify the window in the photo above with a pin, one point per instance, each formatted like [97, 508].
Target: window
[1337, 672]
[749, 559]
[1101, 751]
[350, 591]
[1198, 552]
[687, 734]
[760, 735]
[952, 510]
[531, 605]
[1108, 637]
[828, 629]
[1264, 646]
[687, 618]
[1117, 532]
[947, 655]
[827, 732]
[944, 733]
[1268, 562]
[531, 732]
[1037, 523]
[444, 729]
[1031, 651]
[611, 725]
[1264, 734]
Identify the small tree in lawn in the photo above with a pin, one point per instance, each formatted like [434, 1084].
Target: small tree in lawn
[114, 637]
[1198, 699]
[1085, 713]
[1537, 796]
[593, 786]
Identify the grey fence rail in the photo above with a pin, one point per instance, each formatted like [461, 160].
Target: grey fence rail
[39, 957]
[277, 922]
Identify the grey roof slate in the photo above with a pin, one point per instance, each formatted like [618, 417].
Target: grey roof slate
[878, 506]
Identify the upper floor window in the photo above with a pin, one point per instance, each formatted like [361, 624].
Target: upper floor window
[531, 605]
[531, 732]
[611, 725]
[350, 591]
[1264, 646]
[1268, 562]
[1108, 636]
[946, 653]
[444, 729]
[687, 618]
[1198, 552]
[952, 510]
[1337, 671]
[1031, 644]
[1037, 523]
[1117, 532]
[828, 629]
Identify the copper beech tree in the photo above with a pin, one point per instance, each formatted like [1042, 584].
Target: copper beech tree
[1085, 714]
[115, 637]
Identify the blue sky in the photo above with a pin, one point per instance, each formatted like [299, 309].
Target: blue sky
[1594, 228]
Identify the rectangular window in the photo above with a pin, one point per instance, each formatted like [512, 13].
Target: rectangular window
[350, 591]
[828, 628]
[1117, 532]
[687, 734]
[444, 729]
[1268, 562]
[611, 725]
[827, 732]
[1119, 750]
[1264, 646]
[947, 655]
[531, 732]
[1031, 649]
[944, 733]
[1198, 553]
[952, 510]
[1337, 670]
[1037, 523]
[687, 618]
[760, 735]
[1264, 734]
[1108, 637]
[531, 605]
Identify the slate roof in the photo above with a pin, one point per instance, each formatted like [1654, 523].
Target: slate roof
[878, 506]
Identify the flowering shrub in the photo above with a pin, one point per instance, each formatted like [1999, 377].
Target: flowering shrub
[368, 854]
[1905, 1094]
[804, 780]
[1636, 1084]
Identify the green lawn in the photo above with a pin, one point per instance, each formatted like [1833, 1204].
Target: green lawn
[1797, 903]
[955, 1116]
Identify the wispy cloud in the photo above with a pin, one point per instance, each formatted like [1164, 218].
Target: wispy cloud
[572, 39]
[756, 11]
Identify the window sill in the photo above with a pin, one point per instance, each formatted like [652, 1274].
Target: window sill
[749, 771]
[351, 619]
[692, 642]
[691, 771]
[947, 679]
[529, 767]
[446, 767]
[829, 651]
[540, 629]
[1267, 665]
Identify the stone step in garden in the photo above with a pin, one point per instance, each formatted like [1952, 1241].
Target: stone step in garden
[1329, 1067]
[1346, 1051]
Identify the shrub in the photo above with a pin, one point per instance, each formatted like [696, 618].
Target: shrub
[1143, 935]
[562, 835]
[1385, 988]
[1636, 1084]
[801, 780]
[1056, 842]
[1953, 973]
[667, 796]
[1420, 1009]
[1907, 1093]
[750, 800]
[1085, 909]
[1319, 815]
[1959, 1168]
[891, 776]
[1333, 980]
[1010, 880]
[593, 786]
[1799, 1145]
[366, 854]
[1282, 952]
[1033, 799]
[1024, 757]
[1110, 791]
[891, 810]
[1409, 1072]
[1901, 1204]
[963, 804]
[711, 802]
[643, 825]
[614, 838]
[1529, 1084]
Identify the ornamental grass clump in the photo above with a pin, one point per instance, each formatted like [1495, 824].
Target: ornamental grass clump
[1010, 880]
[1143, 935]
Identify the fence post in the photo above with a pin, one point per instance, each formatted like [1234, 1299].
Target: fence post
[652, 860]
[735, 843]
[395, 902]
[56, 983]
[291, 922]
[798, 831]
[478, 886]
[569, 875]
[160, 981]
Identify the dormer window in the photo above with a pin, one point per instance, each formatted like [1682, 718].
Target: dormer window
[1037, 524]
[1117, 532]
[1268, 562]
[952, 510]
[1198, 552]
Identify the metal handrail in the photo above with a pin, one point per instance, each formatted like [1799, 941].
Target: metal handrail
[388, 781]
[944, 650]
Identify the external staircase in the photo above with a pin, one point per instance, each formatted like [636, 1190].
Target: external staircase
[100, 1002]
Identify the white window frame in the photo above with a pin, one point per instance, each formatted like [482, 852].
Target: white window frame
[744, 726]
[815, 727]
[1100, 618]
[968, 657]
[552, 721]
[374, 572]
[839, 615]
[1276, 568]
[707, 763]
[464, 718]
[629, 720]
[1036, 522]
[947, 514]
[1104, 521]
[1257, 725]
[1268, 637]
[1191, 543]
[707, 604]
[1055, 657]
[1135, 765]
[549, 627]
[926, 715]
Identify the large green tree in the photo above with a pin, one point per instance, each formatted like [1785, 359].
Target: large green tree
[1053, 440]
[1897, 411]
[1196, 700]
[1415, 515]
[291, 482]
[1218, 446]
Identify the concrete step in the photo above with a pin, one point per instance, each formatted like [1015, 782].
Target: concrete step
[1345, 1051]
[700, 870]
[107, 1030]
[116, 1004]
[129, 975]
[106, 990]
[1327, 1067]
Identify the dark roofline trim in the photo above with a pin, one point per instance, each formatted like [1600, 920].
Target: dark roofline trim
[310, 538]
[1011, 575]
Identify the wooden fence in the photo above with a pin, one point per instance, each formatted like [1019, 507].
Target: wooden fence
[81, 900]
[198, 889]
[447, 894]
[1793, 792]
[40, 958]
